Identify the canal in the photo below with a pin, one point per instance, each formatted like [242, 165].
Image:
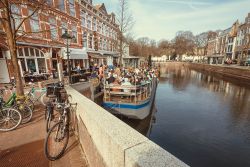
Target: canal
[202, 119]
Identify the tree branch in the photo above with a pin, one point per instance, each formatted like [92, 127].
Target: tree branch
[37, 32]
[20, 24]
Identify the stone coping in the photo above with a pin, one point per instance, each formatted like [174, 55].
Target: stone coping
[116, 142]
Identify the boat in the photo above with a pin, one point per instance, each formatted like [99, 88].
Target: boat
[132, 101]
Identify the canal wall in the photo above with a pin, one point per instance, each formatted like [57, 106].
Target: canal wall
[230, 71]
[109, 142]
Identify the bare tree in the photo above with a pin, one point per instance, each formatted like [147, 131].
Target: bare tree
[184, 44]
[165, 48]
[125, 21]
[12, 26]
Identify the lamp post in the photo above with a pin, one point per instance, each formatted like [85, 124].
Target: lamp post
[67, 37]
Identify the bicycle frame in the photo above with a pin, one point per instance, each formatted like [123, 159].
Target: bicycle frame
[11, 100]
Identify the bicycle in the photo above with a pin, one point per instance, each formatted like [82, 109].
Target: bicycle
[10, 118]
[13, 97]
[42, 97]
[59, 133]
[56, 94]
[23, 104]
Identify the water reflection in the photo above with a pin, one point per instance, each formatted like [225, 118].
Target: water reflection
[143, 126]
[203, 118]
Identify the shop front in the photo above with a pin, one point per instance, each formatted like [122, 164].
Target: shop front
[32, 60]
[77, 57]
[96, 58]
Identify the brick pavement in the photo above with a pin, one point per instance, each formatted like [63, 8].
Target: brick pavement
[24, 146]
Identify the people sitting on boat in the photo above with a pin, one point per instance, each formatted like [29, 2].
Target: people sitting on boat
[126, 83]
[116, 83]
[111, 78]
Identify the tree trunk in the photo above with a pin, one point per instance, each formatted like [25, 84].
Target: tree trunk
[13, 50]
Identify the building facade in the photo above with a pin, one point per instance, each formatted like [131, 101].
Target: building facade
[42, 48]
[221, 47]
[242, 50]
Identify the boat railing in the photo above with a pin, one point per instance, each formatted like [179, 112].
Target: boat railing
[128, 93]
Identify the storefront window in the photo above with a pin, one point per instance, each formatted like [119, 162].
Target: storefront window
[23, 65]
[32, 54]
[37, 53]
[32, 60]
[26, 52]
[31, 64]
[20, 52]
[41, 65]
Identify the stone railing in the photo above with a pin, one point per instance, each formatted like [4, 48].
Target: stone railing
[109, 142]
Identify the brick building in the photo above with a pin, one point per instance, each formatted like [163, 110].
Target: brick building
[221, 46]
[95, 33]
[242, 50]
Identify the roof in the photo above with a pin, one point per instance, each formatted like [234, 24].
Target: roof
[101, 8]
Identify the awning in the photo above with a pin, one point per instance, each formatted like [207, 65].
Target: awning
[96, 55]
[113, 55]
[75, 53]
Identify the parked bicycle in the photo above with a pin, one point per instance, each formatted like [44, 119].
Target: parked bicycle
[58, 136]
[10, 118]
[12, 99]
[38, 94]
[22, 103]
[56, 94]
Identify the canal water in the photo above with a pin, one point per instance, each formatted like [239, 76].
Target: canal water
[202, 119]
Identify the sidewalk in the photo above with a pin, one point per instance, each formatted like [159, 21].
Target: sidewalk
[24, 146]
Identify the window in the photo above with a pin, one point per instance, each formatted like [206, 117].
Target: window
[34, 21]
[16, 13]
[100, 44]
[94, 24]
[20, 52]
[74, 34]
[83, 18]
[102, 31]
[61, 5]
[50, 2]
[104, 44]
[84, 39]
[1, 54]
[26, 52]
[72, 7]
[53, 28]
[99, 27]
[64, 26]
[89, 22]
[90, 41]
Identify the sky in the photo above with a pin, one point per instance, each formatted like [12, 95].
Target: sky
[161, 19]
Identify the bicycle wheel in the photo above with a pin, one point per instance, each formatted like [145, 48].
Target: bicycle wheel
[49, 112]
[30, 103]
[44, 99]
[56, 141]
[10, 118]
[26, 112]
